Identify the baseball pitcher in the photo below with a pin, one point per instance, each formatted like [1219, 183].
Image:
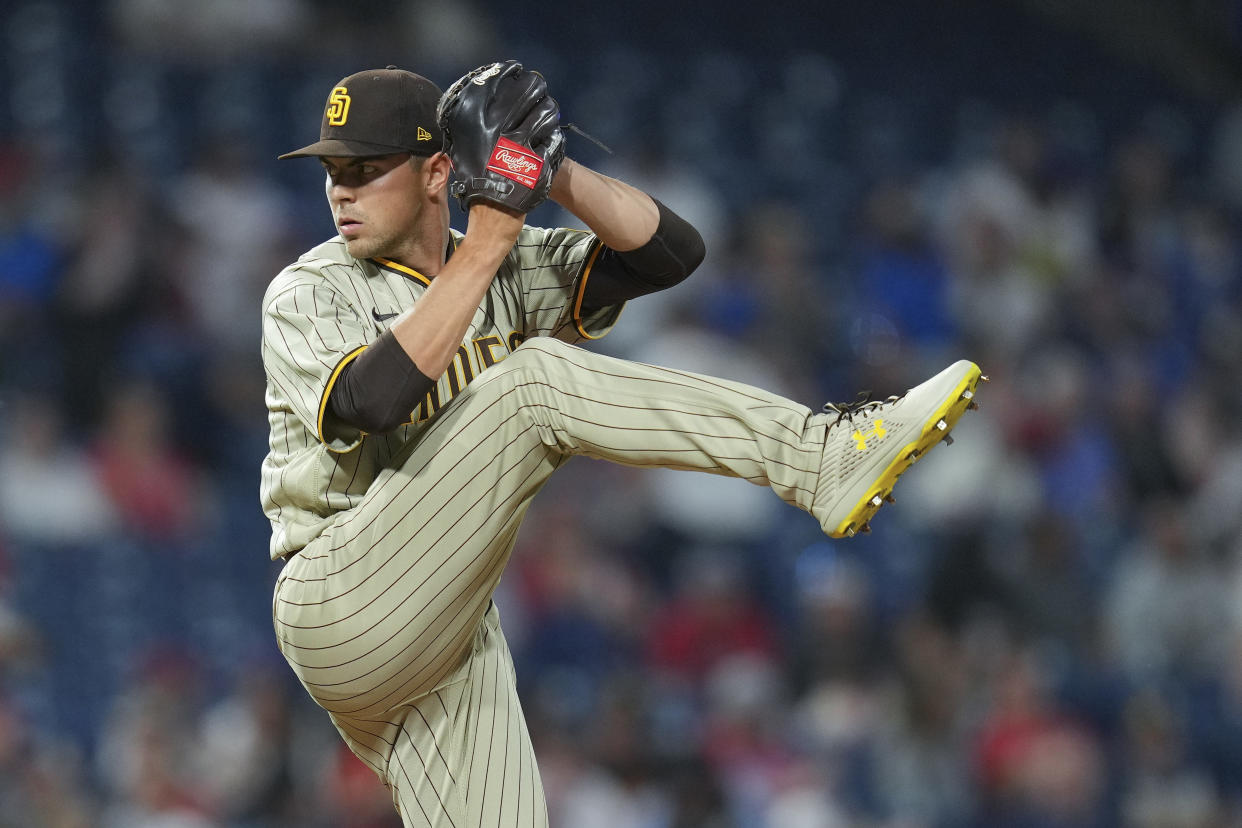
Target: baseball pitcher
[423, 383]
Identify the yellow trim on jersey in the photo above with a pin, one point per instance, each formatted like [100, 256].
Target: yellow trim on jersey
[402, 269]
[586, 273]
[327, 391]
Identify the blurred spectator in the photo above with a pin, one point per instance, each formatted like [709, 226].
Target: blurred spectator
[115, 278]
[1036, 765]
[238, 238]
[142, 757]
[1165, 787]
[1169, 604]
[242, 764]
[583, 615]
[30, 254]
[919, 765]
[153, 488]
[835, 637]
[1141, 434]
[1068, 442]
[41, 780]
[44, 477]
[744, 737]
[902, 277]
[711, 617]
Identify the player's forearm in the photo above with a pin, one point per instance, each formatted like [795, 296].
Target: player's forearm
[431, 331]
[622, 216]
[669, 256]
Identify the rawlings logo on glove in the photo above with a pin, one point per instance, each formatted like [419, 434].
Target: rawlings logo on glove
[516, 162]
[501, 129]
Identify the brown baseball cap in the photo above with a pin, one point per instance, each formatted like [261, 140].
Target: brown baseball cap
[378, 112]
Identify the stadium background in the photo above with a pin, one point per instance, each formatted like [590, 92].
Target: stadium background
[1045, 632]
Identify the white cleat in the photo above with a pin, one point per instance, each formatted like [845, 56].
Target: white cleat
[870, 444]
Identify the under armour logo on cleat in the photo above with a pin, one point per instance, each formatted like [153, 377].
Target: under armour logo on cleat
[860, 439]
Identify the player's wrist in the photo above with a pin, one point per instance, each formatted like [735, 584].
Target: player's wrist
[492, 221]
[561, 182]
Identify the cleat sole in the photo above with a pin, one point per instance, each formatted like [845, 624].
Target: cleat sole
[936, 430]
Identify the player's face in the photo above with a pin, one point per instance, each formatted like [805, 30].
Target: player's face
[377, 203]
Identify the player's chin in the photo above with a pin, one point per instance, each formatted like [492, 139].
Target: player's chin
[362, 248]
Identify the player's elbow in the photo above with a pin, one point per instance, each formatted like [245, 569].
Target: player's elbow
[379, 422]
[673, 253]
[693, 250]
[376, 392]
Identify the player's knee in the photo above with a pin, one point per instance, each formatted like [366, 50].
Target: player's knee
[524, 371]
[541, 347]
[533, 355]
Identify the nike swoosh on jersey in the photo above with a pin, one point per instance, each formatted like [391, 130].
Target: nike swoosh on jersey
[382, 317]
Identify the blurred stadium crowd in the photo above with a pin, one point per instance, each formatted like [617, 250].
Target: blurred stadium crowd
[1045, 631]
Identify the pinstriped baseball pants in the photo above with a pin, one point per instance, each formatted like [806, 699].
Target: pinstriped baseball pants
[387, 617]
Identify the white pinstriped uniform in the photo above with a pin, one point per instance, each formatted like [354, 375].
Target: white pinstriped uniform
[385, 611]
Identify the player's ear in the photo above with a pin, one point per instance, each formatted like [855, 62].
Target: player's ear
[438, 171]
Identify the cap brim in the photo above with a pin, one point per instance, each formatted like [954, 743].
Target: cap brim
[339, 147]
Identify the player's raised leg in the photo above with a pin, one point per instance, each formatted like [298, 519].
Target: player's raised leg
[420, 556]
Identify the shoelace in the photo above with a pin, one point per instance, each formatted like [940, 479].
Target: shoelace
[862, 405]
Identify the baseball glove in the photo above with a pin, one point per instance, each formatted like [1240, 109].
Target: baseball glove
[502, 134]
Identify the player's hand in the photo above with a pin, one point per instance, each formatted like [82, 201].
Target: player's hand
[502, 134]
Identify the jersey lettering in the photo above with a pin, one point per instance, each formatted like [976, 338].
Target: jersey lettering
[459, 372]
[430, 404]
[485, 345]
[462, 370]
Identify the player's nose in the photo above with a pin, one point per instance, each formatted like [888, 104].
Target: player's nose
[338, 192]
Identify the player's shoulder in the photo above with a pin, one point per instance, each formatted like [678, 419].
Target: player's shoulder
[535, 243]
[326, 265]
[533, 235]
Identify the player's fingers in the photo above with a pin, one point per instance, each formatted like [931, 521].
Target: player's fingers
[515, 95]
[549, 145]
[542, 119]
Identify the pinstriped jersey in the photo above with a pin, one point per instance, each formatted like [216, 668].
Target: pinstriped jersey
[322, 311]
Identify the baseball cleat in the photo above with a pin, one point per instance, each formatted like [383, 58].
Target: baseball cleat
[871, 443]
